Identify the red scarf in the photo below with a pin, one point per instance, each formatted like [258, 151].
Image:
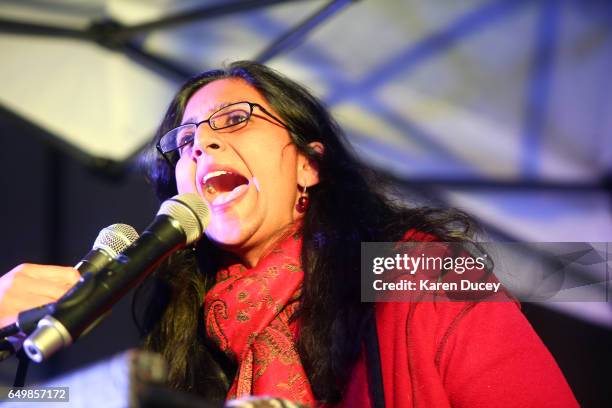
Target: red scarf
[247, 314]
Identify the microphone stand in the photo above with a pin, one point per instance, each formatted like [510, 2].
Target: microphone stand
[11, 344]
[22, 369]
[13, 336]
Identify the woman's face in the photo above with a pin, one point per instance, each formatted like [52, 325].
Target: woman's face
[248, 177]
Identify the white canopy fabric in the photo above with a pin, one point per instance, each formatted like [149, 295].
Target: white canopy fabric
[450, 87]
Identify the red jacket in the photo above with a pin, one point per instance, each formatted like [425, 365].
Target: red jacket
[461, 355]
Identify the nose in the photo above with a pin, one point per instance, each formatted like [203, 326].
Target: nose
[206, 141]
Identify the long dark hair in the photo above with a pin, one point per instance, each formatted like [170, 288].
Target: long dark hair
[348, 206]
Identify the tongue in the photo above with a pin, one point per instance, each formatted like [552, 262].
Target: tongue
[227, 186]
[229, 196]
[226, 182]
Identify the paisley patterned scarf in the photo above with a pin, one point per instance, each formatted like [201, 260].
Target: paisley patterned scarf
[247, 314]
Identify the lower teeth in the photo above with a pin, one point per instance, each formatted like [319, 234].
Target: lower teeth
[210, 190]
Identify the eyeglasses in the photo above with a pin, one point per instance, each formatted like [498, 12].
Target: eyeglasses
[227, 119]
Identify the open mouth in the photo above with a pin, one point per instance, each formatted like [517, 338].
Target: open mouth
[221, 187]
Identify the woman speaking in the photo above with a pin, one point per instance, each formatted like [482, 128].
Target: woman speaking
[268, 302]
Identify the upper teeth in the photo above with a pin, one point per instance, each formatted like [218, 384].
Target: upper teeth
[214, 174]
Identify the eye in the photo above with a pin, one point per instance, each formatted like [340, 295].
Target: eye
[229, 118]
[184, 136]
[185, 149]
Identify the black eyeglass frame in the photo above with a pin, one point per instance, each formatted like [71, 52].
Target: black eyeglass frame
[252, 105]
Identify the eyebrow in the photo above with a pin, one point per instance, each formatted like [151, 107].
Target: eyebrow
[194, 119]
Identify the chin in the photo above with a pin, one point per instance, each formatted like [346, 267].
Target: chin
[225, 238]
[229, 234]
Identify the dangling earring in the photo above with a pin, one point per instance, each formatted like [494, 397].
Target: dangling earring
[302, 204]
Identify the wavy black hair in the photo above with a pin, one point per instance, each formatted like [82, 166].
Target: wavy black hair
[349, 205]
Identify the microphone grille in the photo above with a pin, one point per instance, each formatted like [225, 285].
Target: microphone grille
[190, 211]
[115, 238]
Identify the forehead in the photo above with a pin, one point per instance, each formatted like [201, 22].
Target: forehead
[218, 93]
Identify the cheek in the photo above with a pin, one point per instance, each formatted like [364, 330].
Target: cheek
[185, 174]
[281, 180]
[276, 169]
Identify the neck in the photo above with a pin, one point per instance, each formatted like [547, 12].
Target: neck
[250, 255]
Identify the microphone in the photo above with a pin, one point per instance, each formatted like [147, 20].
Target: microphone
[180, 221]
[111, 241]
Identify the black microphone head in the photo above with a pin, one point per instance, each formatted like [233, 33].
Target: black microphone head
[191, 213]
[115, 238]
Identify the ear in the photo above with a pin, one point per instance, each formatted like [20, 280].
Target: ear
[308, 169]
